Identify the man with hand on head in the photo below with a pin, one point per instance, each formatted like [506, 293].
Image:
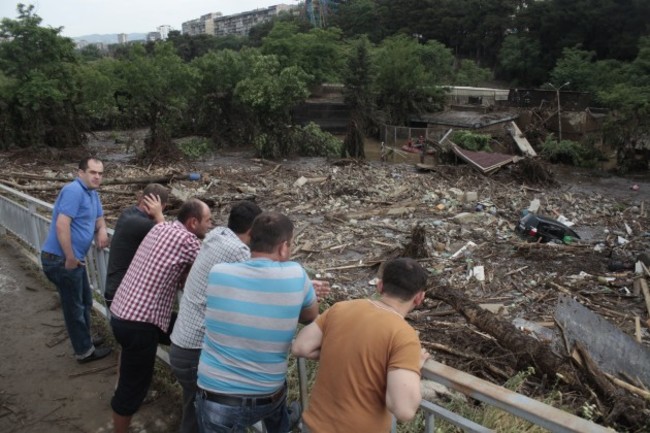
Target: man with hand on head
[370, 357]
[77, 218]
[252, 311]
[142, 308]
[131, 227]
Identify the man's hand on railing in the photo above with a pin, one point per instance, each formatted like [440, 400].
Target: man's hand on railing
[424, 356]
[322, 288]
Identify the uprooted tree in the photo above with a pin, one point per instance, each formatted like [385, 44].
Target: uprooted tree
[617, 405]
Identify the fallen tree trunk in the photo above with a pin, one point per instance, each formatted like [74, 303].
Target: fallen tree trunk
[614, 403]
[528, 351]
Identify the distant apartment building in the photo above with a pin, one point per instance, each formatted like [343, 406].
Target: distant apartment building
[164, 31]
[240, 24]
[201, 26]
[122, 38]
[153, 37]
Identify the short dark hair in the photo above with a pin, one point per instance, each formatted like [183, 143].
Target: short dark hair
[242, 215]
[269, 230]
[83, 164]
[192, 208]
[403, 278]
[156, 189]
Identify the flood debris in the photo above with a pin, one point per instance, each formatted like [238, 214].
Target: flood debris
[351, 216]
[612, 350]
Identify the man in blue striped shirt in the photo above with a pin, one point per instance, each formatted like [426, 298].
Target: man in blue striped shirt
[252, 311]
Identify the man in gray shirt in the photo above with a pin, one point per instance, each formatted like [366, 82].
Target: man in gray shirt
[221, 245]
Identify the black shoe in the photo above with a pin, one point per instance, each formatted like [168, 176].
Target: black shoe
[100, 353]
[98, 340]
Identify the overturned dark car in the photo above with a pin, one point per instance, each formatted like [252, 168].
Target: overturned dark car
[538, 228]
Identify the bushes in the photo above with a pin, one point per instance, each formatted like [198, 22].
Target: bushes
[310, 140]
[472, 141]
[194, 147]
[568, 152]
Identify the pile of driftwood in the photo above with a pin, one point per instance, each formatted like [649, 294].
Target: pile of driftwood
[491, 292]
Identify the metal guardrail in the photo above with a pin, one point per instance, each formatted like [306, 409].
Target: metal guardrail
[28, 219]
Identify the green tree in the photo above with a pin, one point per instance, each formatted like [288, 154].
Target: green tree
[519, 60]
[190, 47]
[404, 85]
[157, 90]
[40, 92]
[358, 17]
[271, 91]
[97, 87]
[629, 100]
[359, 78]
[610, 29]
[317, 52]
[216, 112]
[470, 74]
[90, 52]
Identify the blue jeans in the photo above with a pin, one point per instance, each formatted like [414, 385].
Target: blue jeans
[219, 418]
[76, 301]
[184, 364]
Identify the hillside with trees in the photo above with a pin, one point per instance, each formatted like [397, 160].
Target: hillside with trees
[393, 57]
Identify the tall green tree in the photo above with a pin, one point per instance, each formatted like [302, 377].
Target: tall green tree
[271, 91]
[40, 91]
[611, 29]
[157, 89]
[519, 60]
[216, 111]
[359, 79]
[404, 84]
[358, 17]
[317, 51]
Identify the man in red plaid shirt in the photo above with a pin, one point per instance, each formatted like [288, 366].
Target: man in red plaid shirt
[142, 306]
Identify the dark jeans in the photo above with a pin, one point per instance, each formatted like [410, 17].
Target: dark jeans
[219, 418]
[184, 364]
[76, 301]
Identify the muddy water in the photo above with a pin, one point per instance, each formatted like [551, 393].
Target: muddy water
[591, 181]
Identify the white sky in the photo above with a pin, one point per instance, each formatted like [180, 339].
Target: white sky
[85, 17]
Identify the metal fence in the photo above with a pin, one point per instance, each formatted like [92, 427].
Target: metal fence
[28, 219]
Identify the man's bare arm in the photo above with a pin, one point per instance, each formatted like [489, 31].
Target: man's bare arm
[308, 314]
[403, 393]
[308, 342]
[101, 235]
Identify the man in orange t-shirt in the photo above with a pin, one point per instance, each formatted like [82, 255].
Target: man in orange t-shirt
[370, 357]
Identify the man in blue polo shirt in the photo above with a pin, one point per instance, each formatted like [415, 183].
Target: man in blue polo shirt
[77, 218]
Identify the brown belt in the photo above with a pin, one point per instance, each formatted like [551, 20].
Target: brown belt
[49, 256]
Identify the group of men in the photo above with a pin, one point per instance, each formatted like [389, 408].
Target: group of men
[242, 301]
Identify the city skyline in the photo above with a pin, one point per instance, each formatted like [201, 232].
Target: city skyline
[86, 17]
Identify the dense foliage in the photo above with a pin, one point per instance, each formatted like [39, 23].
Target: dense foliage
[472, 141]
[393, 56]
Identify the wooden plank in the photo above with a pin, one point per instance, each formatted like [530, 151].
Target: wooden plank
[646, 293]
[520, 139]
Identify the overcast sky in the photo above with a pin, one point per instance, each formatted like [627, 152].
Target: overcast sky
[84, 17]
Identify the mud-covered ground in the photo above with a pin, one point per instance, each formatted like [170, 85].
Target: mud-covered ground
[351, 216]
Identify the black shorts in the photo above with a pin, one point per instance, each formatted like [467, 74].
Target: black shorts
[139, 342]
